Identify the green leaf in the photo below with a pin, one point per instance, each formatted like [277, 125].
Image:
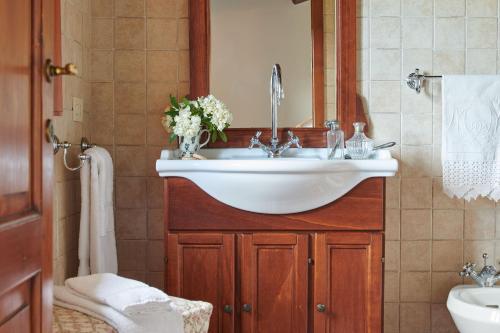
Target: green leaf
[172, 137]
[173, 102]
[223, 136]
[214, 136]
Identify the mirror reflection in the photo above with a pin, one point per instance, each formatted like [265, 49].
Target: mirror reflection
[247, 37]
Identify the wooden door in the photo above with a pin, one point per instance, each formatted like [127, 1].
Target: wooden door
[274, 283]
[202, 267]
[25, 167]
[348, 282]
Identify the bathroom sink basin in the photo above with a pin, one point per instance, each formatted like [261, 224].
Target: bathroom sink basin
[301, 180]
[475, 309]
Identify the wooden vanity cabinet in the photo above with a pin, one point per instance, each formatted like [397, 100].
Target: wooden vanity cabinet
[312, 274]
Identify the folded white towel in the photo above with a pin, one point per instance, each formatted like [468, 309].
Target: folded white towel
[471, 139]
[124, 295]
[97, 242]
[146, 322]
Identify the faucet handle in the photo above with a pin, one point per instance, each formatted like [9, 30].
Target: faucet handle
[467, 269]
[485, 258]
[255, 139]
[294, 140]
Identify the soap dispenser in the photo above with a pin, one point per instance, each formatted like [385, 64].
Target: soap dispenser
[335, 140]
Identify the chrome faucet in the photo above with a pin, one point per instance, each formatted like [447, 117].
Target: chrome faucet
[487, 277]
[274, 149]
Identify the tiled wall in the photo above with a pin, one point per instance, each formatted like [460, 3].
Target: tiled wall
[429, 235]
[139, 56]
[75, 28]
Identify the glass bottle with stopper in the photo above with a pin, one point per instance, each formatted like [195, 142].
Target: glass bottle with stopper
[335, 140]
[359, 146]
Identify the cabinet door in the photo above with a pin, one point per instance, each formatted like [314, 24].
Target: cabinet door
[348, 283]
[201, 267]
[274, 283]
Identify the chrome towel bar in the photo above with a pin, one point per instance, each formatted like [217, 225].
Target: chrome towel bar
[415, 80]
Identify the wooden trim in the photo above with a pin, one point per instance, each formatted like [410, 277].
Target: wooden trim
[57, 81]
[346, 28]
[199, 53]
[318, 69]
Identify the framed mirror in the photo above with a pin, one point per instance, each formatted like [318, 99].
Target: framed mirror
[234, 44]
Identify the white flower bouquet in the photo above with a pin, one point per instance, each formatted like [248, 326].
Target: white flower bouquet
[187, 118]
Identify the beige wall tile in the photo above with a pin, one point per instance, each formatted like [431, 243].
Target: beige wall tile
[130, 130]
[416, 161]
[162, 34]
[182, 8]
[184, 68]
[473, 250]
[415, 287]
[130, 33]
[131, 255]
[385, 64]
[385, 8]
[479, 224]
[130, 66]
[391, 289]
[153, 152]
[482, 33]
[161, 8]
[129, 8]
[482, 8]
[102, 66]
[392, 192]
[417, 32]
[156, 224]
[441, 200]
[416, 129]
[416, 224]
[447, 224]
[415, 317]
[130, 192]
[481, 62]
[449, 8]
[441, 319]
[447, 255]
[156, 253]
[385, 127]
[158, 96]
[449, 62]
[156, 134]
[392, 255]
[102, 33]
[450, 33]
[130, 161]
[155, 192]
[162, 66]
[392, 224]
[130, 97]
[101, 131]
[442, 282]
[385, 96]
[416, 193]
[416, 256]
[385, 32]
[391, 317]
[130, 224]
[102, 8]
[183, 34]
[417, 7]
[102, 97]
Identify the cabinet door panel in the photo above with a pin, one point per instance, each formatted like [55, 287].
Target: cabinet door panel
[348, 282]
[274, 283]
[201, 267]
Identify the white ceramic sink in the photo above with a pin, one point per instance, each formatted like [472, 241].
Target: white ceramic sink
[475, 309]
[301, 180]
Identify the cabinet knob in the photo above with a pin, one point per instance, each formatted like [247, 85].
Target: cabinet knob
[228, 308]
[321, 307]
[247, 308]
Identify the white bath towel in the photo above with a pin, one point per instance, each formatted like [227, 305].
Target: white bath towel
[159, 321]
[124, 295]
[471, 139]
[97, 243]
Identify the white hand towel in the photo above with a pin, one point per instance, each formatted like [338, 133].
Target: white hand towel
[124, 295]
[471, 140]
[97, 243]
[150, 322]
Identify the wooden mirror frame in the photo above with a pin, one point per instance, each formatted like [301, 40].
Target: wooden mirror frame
[349, 109]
